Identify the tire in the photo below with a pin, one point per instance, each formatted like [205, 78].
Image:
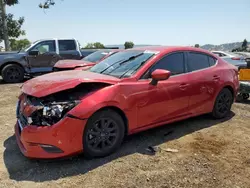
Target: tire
[103, 134]
[245, 96]
[223, 104]
[13, 73]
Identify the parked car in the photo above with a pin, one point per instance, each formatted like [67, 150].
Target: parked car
[85, 63]
[133, 90]
[38, 58]
[232, 58]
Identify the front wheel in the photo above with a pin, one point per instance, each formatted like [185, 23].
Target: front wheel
[103, 134]
[12, 73]
[223, 104]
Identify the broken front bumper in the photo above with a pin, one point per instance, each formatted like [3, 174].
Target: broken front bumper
[59, 140]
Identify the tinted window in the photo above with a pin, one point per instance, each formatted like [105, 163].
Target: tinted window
[174, 63]
[67, 45]
[197, 61]
[211, 60]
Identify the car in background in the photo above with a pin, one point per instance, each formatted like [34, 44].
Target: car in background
[61, 114]
[86, 62]
[39, 58]
[235, 59]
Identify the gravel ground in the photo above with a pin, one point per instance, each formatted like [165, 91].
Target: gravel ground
[199, 152]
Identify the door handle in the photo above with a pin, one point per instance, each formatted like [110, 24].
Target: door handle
[183, 86]
[216, 78]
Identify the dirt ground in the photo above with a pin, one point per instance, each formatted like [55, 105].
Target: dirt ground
[210, 153]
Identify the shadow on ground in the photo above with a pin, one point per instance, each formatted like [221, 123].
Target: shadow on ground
[23, 169]
[2, 82]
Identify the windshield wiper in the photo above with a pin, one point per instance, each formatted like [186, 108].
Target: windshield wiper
[138, 66]
[122, 62]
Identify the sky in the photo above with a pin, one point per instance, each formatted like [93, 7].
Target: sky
[156, 22]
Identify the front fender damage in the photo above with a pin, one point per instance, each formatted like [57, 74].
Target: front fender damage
[48, 110]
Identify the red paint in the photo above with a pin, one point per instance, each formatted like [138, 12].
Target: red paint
[145, 105]
[81, 64]
[160, 74]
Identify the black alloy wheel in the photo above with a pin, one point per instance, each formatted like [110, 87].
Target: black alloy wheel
[103, 134]
[13, 73]
[223, 104]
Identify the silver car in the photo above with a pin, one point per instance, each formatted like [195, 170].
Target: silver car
[233, 58]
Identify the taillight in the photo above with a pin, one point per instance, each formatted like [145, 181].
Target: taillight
[235, 58]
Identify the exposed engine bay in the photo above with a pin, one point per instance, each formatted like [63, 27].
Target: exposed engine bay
[51, 109]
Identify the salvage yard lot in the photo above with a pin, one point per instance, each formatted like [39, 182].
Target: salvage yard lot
[211, 153]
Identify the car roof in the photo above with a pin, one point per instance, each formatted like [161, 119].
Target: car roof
[171, 48]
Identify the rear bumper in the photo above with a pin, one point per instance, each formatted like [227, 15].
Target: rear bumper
[60, 140]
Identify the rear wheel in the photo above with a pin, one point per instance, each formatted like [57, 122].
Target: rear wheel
[12, 73]
[223, 104]
[103, 134]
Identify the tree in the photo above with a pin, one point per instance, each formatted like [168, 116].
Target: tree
[196, 45]
[244, 44]
[47, 4]
[19, 44]
[9, 27]
[128, 44]
[97, 45]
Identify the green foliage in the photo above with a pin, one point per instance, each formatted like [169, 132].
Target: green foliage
[243, 47]
[19, 44]
[14, 27]
[196, 45]
[128, 44]
[11, 2]
[47, 4]
[244, 44]
[95, 45]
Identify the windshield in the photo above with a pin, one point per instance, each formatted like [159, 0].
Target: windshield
[28, 46]
[122, 64]
[96, 56]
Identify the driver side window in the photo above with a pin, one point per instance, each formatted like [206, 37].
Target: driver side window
[173, 63]
[46, 46]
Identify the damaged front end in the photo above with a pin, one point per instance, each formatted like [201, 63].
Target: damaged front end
[48, 110]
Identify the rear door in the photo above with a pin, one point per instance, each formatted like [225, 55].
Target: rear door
[204, 81]
[68, 49]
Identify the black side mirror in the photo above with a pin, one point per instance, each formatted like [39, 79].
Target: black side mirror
[34, 52]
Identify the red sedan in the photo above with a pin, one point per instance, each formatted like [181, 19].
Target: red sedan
[86, 62]
[91, 111]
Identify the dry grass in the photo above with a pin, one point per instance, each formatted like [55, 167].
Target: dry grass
[210, 154]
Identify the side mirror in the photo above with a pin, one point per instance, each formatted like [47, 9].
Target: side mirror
[34, 52]
[159, 74]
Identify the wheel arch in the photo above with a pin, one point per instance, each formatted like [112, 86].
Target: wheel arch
[230, 88]
[120, 112]
[10, 63]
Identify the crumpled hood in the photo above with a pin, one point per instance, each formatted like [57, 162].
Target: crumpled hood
[72, 63]
[58, 81]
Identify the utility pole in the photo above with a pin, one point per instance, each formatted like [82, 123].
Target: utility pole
[5, 29]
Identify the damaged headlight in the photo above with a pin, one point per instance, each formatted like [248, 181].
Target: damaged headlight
[51, 113]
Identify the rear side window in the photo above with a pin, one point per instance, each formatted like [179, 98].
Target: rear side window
[212, 61]
[67, 45]
[173, 63]
[197, 61]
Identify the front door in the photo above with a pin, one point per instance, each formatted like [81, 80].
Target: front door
[46, 58]
[169, 99]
